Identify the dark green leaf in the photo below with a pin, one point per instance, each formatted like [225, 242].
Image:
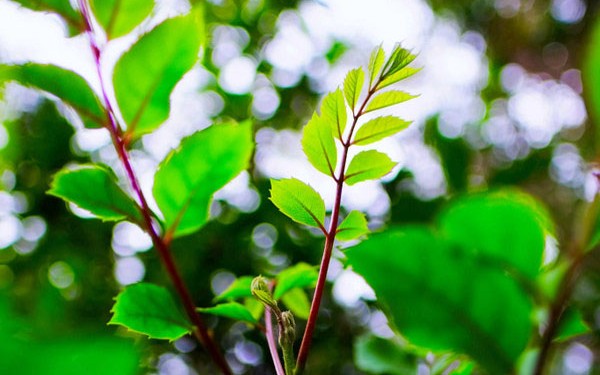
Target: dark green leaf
[379, 128]
[119, 17]
[149, 309]
[571, 325]
[298, 201]
[231, 310]
[352, 227]
[375, 63]
[297, 302]
[145, 75]
[68, 86]
[319, 145]
[388, 98]
[591, 74]
[368, 165]
[376, 355]
[239, 288]
[301, 275]
[189, 176]
[333, 111]
[95, 189]
[353, 84]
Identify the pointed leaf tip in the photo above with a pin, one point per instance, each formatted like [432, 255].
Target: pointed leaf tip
[298, 201]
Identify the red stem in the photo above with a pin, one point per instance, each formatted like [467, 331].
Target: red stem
[200, 330]
[272, 343]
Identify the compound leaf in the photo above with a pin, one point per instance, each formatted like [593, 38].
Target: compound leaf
[301, 275]
[298, 201]
[387, 99]
[352, 227]
[368, 165]
[231, 310]
[379, 128]
[119, 17]
[353, 84]
[333, 111]
[319, 146]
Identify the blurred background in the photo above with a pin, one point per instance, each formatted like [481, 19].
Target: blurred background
[501, 103]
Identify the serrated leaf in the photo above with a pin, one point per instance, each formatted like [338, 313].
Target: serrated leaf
[119, 17]
[150, 310]
[61, 7]
[145, 75]
[368, 165]
[231, 310]
[298, 201]
[377, 355]
[319, 146]
[353, 84]
[398, 76]
[387, 99]
[68, 86]
[95, 189]
[238, 289]
[375, 63]
[189, 176]
[333, 111]
[378, 129]
[297, 302]
[301, 275]
[399, 59]
[352, 227]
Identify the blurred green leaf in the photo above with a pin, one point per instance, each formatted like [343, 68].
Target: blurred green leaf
[387, 99]
[300, 275]
[352, 227]
[376, 355]
[150, 310]
[61, 7]
[297, 302]
[231, 310]
[368, 165]
[571, 325]
[591, 75]
[375, 63]
[119, 17]
[239, 288]
[298, 201]
[333, 111]
[145, 75]
[378, 129]
[353, 84]
[189, 176]
[319, 146]
[95, 189]
[68, 86]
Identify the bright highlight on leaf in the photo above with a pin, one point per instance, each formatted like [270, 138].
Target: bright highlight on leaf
[398, 76]
[232, 310]
[95, 189]
[378, 129]
[368, 165]
[189, 176]
[333, 111]
[119, 17]
[319, 146]
[353, 84]
[352, 227]
[298, 201]
[375, 63]
[298, 303]
[150, 310]
[387, 99]
[301, 275]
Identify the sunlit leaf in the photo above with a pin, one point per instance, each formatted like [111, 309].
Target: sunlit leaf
[376, 355]
[238, 289]
[145, 75]
[352, 227]
[591, 74]
[375, 63]
[61, 7]
[150, 310]
[319, 146]
[68, 86]
[298, 201]
[95, 189]
[368, 165]
[189, 176]
[333, 111]
[231, 310]
[297, 302]
[119, 17]
[353, 84]
[379, 128]
[399, 59]
[301, 275]
[398, 76]
[388, 98]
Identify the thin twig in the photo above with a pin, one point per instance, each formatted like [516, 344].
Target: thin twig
[272, 343]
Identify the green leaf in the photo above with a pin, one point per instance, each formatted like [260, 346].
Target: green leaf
[68, 86]
[379, 128]
[352, 227]
[145, 75]
[353, 84]
[375, 63]
[231, 310]
[376, 355]
[479, 309]
[119, 17]
[95, 189]
[298, 201]
[591, 74]
[333, 111]
[387, 99]
[301, 275]
[399, 59]
[297, 302]
[368, 165]
[61, 7]
[202, 164]
[398, 76]
[239, 288]
[319, 145]
[150, 310]
[571, 325]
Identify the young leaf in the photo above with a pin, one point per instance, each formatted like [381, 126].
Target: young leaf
[375, 63]
[68, 86]
[376, 355]
[149, 309]
[95, 189]
[239, 288]
[119, 17]
[352, 227]
[145, 75]
[353, 84]
[399, 59]
[300, 275]
[398, 76]
[298, 303]
[333, 111]
[368, 165]
[189, 176]
[379, 128]
[231, 310]
[319, 145]
[387, 99]
[298, 201]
